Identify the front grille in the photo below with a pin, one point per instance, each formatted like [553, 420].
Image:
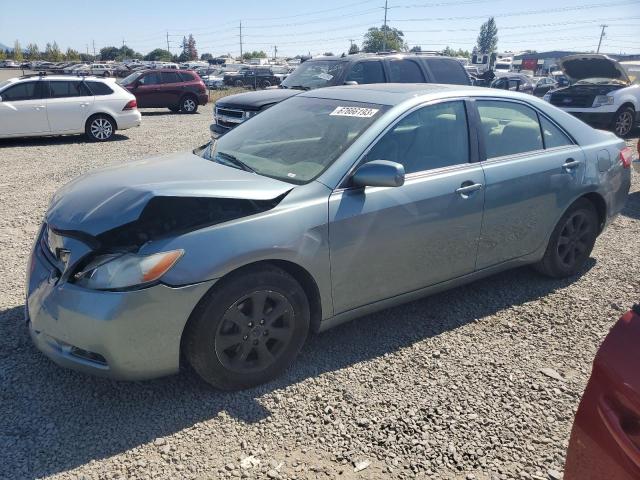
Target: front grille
[229, 112]
[572, 100]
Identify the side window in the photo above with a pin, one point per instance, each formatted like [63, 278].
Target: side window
[446, 70]
[434, 136]
[186, 77]
[366, 72]
[508, 128]
[22, 91]
[152, 78]
[67, 89]
[99, 88]
[171, 77]
[405, 71]
[514, 85]
[553, 136]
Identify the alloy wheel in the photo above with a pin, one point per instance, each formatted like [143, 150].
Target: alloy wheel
[254, 331]
[101, 128]
[573, 242]
[189, 105]
[624, 122]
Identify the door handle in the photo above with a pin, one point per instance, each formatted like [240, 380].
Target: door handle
[39, 107]
[466, 188]
[570, 163]
[84, 104]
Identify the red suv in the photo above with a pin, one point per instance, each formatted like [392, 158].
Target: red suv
[177, 90]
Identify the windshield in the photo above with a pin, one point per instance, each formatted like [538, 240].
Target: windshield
[295, 140]
[633, 71]
[130, 79]
[314, 74]
[4, 84]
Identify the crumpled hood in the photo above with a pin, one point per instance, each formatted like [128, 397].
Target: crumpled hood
[580, 67]
[106, 198]
[258, 99]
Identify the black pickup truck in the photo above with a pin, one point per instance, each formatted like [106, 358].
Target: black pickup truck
[321, 72]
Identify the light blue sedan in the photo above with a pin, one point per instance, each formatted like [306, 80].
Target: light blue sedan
[330, 205]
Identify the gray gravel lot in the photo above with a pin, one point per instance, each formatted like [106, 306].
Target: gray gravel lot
[446, 387]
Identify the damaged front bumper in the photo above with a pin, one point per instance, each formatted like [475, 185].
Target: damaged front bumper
[126, 335]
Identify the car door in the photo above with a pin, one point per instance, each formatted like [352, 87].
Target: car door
[68, 105]
[388, 241]
[23, 111]
[148, 90]
[530, 178]
[172, 89]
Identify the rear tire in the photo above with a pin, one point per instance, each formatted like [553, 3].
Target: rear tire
[239, 83]
[249, 329]
[189, 104]
[571, 242]
[265, 84]
[623, 121]
[100, 128]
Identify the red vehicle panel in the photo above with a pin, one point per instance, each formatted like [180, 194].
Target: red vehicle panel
[605, 439]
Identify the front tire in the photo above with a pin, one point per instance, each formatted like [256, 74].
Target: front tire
[189, 105]
[100, 128]
[623, 121]
[571, 242]
[249, 329]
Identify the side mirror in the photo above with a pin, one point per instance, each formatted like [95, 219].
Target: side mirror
[379, 173]
[351, 82]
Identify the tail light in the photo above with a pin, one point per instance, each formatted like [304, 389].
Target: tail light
[131, 105]
[626, 155]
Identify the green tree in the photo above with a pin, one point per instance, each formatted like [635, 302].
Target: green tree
[3, 55]
[254, 54]
[52, 52]
[33, 52]
[125, 52]
[158, 55]
[72, 55]
[109, 53]
[488, 37]
[383, 38]
[416, 49]
[17, 51]
[353, 49]
[205, 57]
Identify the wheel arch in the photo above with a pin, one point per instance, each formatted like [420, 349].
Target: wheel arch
[299, 273]
[599, 204]
[106, 114]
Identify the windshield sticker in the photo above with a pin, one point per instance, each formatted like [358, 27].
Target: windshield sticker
[291, 175]
[360, 112]
[324, 76]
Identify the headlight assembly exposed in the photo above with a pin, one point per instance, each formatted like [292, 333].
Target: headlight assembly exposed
[601, 100]
[116, 271]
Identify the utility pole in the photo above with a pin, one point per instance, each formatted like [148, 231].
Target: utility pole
[94, 48]
[87, 49]
[384, 28]
[240, 40]
[123, 42]
[168, 50]
[601, 37]
[275, 52]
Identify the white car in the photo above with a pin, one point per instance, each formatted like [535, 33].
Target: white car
[101, 69]
[38, 105]
[604, 93]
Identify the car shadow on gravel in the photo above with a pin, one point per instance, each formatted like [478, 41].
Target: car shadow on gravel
[156, 113]
[46, 141]
[53, 420]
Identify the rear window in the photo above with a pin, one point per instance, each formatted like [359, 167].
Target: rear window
[187, 76]
[445, 70]
[99, 88]
[67, 89]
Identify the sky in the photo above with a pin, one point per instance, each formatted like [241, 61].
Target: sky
[297, 27]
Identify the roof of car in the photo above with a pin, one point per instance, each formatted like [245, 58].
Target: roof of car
[390, 93]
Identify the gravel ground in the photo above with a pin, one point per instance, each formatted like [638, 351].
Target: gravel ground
[452, 386]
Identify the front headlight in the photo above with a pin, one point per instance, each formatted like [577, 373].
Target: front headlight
[602, 100]
[116, 271]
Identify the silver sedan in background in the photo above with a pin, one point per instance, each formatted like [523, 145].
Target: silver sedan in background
[330, 205]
